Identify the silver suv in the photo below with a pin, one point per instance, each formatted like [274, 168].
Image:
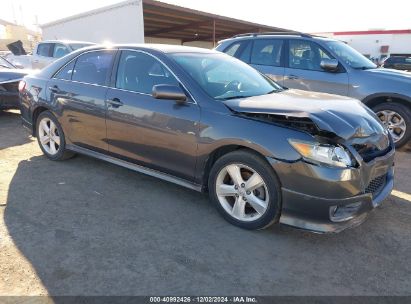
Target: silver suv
[312, 63]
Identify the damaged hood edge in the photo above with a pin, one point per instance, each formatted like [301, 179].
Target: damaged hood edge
[345, 117]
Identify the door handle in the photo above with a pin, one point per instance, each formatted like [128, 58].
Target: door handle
[115, 102]
[54, 89]
[292, 77]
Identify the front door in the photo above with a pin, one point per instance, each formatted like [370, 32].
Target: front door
[159, 134]
[80, 89]
[305, 73]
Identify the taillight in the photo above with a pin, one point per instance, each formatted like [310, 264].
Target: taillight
[22, 85]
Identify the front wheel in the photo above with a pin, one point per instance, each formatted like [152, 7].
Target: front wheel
[245, 190]
[397, 118]
[51, 138]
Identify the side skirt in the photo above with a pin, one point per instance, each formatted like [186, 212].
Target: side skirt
[137, 168]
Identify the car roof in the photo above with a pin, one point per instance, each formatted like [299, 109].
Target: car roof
[164, 48]
[278, 36]
[67, 42]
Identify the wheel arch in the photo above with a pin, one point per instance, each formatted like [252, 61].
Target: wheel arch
[378, 98]
[218, 153]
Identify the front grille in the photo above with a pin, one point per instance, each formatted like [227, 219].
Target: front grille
[376, 185]
[368, 151]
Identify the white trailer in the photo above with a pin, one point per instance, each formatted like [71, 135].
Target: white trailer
[119, 23]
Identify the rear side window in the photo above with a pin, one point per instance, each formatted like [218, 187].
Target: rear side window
[267, 52]
[139, 72]
[93, 67]
[44, 49]
[66, 72]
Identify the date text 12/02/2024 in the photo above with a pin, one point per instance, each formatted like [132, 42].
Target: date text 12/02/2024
[240, 299]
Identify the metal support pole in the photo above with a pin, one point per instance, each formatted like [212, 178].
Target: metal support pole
[214, 42]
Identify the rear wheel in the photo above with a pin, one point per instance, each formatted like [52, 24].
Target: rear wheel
[50, 137]
[397, 118]
[245, 190]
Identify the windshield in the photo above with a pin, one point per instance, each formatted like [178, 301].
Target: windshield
[76, 46]
[5, 64]
[224, 77]
[350, 56]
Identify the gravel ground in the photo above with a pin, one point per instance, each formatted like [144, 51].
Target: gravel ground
[86, 227]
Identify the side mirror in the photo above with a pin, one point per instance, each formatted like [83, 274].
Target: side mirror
[330, 65]
[167, 91]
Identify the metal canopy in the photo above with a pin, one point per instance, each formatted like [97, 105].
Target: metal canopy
[165, 20]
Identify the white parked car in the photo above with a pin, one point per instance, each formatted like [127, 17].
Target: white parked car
[43, 54]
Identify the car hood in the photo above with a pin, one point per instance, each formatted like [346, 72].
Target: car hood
[389, 74]
[11, 75]
[345, 117]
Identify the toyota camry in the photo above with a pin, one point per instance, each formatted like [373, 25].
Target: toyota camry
[204, 120]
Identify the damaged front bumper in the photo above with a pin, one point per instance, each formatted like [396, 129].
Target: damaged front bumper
[324, 199]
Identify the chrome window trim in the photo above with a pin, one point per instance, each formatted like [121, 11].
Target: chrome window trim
[80, 82]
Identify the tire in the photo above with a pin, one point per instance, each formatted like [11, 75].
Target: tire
[235, 201]
[401, 112]
[47, 140]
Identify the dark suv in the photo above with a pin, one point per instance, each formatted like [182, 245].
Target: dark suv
[306, 62]
[398, 63]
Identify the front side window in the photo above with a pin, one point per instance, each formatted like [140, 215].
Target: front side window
[267, 52]
[224, 77]
[139, 72]
[306, 55]
[44, 49]
[93, 67]
[60, 50]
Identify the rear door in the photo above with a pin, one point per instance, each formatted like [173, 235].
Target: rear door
[267, 56]
[78, 91]
[304, 72]
[159, 134]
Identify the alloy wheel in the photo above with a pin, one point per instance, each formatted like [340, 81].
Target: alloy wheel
[49, 136]
[242, 192]
[394, 122]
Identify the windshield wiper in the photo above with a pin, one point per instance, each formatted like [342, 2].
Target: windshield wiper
[364, 68]
[233, 97]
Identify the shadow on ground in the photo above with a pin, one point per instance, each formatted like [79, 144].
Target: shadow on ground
[11, 132]
[91, 228]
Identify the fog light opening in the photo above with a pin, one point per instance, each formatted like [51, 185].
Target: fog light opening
[344, 212]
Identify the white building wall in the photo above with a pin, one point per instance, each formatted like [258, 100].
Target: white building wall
[119, 23]
[200, 44]
[162, 40]
[371, 44]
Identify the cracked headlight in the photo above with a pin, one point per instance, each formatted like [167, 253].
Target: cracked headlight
[321, 153]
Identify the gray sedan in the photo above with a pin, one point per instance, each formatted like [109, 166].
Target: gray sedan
[210, 122]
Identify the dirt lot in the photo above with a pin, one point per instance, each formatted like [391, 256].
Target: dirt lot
[86, 227]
